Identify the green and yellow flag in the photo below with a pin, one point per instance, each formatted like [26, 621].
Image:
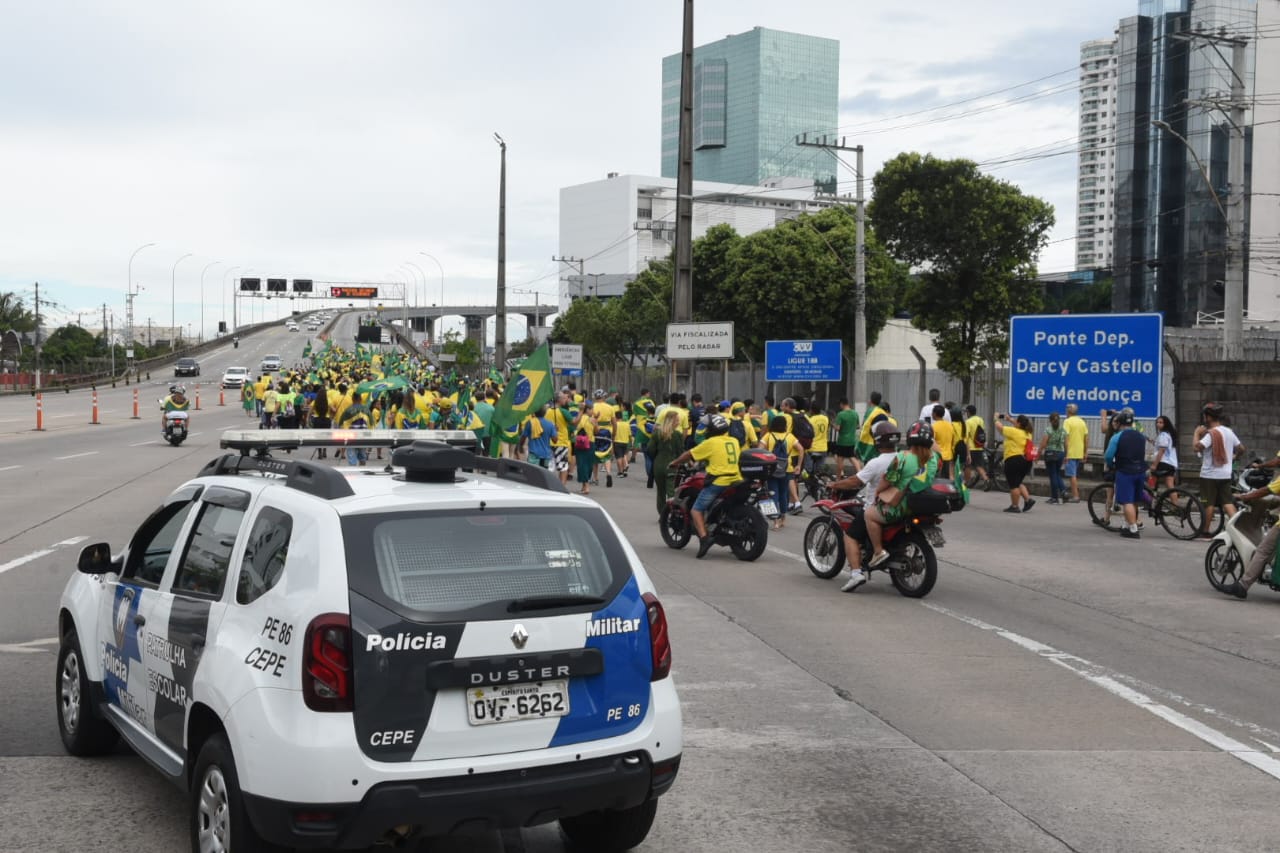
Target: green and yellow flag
[528, 389]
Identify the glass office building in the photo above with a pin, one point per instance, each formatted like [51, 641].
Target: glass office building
[1170, 233]
[753, 94]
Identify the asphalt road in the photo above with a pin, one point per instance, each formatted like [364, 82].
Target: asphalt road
[1060, 689]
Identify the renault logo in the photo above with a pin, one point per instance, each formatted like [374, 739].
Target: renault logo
[519, 636]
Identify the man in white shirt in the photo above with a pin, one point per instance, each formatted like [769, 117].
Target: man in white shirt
[1217, 446]
[935, 399]
[886, 437]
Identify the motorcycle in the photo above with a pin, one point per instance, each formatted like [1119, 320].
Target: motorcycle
[735, 519]
[1233, 547]
[175, 427]
[912, 563]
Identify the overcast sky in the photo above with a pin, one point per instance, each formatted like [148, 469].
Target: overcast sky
[337, 141]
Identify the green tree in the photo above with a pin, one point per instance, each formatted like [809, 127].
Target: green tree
[1091, 298]
[974, 241]
[521, 349]
[72, 345]
[467, 351]
[14, 314]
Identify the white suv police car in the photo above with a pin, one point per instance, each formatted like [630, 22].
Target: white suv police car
[337, 658]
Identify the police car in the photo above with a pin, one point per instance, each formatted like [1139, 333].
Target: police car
[329, 657]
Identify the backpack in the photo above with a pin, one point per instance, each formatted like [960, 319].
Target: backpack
[980, 438]
[782, 454]
[582, 441]
[802, 429]
[738, 431]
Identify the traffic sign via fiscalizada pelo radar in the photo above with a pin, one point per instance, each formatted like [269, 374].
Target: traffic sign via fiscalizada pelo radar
[1097, 361]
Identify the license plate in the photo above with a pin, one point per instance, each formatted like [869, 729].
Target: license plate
[511, 702]
[935, 537]
[768, 508]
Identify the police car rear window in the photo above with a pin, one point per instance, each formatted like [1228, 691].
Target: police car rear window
[474, 564]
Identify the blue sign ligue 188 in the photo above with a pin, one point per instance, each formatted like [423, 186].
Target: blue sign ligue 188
[802, 361]
[1097, 361]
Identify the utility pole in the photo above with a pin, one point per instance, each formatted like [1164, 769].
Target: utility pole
[682, 287]
[859, 268]
[1235, 107]
[571, 261]
[111, 347]
[500, 326]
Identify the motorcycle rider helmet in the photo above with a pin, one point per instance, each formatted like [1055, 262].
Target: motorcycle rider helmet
[178, 389]
[717, 425]
[1124, 418]
[920, 434]
[885, 434]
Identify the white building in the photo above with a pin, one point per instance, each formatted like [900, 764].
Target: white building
[614, 227]
[1263, 301]
[1096, 175]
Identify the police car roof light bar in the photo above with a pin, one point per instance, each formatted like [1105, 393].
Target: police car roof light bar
[433, 462]
[292, 439]
[321, 481]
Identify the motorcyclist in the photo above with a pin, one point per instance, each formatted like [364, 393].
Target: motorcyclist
[719, 451]
[176, 402]
[886, 437]
[235, 342]
[909, 471]
[1266, 550]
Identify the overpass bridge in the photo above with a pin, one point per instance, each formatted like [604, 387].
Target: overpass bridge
[424, 319]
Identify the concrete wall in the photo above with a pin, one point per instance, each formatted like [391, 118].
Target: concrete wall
[1250, 391]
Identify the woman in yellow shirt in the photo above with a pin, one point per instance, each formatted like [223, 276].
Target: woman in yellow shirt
[783, 445]
[1016, 465]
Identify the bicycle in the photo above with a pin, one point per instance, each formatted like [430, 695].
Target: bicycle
[1177, 510]
[815, 485]
[992, 459]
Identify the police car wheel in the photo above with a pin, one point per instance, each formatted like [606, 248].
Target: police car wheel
[610, 831]
[219, 823]
[83, 731]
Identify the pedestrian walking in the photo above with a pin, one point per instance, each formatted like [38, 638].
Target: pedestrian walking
[1053, 450]
[667, 443]
[1017, 435]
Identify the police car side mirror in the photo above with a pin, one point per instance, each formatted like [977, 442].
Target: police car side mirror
[95, 559]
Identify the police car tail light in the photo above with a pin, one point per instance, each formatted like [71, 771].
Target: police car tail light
[326, 665]
[659, 639]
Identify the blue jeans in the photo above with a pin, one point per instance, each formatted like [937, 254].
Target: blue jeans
[706, 496]
[781, 493]
[1057, 489]
[356, 455]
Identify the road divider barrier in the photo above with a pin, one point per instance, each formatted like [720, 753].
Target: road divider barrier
[135, 405]
[197, 396]
[95, 421]
[39, 413]
[222, 396]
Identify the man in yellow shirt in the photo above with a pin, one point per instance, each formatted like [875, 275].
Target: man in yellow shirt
[562, 419]
[1077, 443]
[977, 452]
[719, 451]
[944, 437]
[821, 435]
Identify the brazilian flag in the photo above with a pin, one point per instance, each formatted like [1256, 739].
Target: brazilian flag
[528, 390]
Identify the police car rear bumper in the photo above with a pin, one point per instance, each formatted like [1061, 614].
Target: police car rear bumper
[489, 801]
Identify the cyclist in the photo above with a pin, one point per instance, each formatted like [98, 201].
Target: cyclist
[719, 451]
[866, 480]
[1127, 451]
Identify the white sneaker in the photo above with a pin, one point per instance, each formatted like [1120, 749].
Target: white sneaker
[855, 580]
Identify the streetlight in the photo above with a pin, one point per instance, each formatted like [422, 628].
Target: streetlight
[424, 278]
[173, 325]
[128, 304]
[202, 272]
[225, 275]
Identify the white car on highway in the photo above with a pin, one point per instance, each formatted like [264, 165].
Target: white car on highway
[322, 658]
[235, 377]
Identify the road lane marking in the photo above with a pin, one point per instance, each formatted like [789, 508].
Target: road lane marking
[10, 467]
[75, 455]
[140, 443]
[30, 647]
[1110, 681]
[781, 553]
[43, 552]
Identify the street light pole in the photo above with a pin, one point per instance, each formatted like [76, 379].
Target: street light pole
[202, 272]
[128, 307]
[500, 327]
[173, 305]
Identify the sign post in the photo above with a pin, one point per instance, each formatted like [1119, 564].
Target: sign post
[803, 361]
[567, 357]
[1097, 361]
[696, 342]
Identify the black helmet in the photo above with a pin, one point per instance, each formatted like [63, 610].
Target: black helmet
[1124, 418]
[717, 425]
[885, 433]
[920, 434]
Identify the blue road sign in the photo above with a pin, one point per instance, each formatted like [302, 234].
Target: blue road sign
[803, 361]
[1098, 361]
[567, 371]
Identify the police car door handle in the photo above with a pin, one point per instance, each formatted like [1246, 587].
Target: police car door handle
[139, 620]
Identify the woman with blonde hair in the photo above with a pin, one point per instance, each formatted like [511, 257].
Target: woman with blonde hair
[668, 443]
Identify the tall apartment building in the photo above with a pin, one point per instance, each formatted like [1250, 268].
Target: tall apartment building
[753, 94]
[1096, 175]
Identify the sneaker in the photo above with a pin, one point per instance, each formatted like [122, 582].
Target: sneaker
[608, 481]
[796, 510]
[1071, 500]
[704, 545]
[1237, 589]
[1131, 534]
[1026, 507]
[1053, 502]
[856, 579]
[877, 559]
[1012, 509]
